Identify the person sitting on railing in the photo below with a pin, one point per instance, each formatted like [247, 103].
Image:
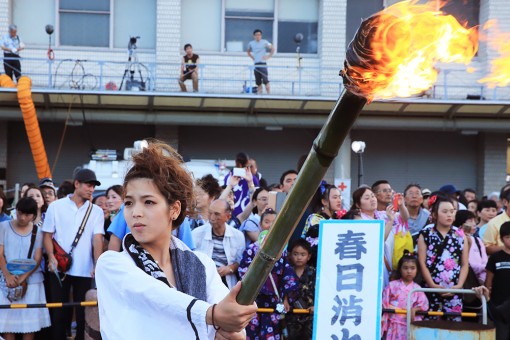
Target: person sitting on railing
[189, 68]
[12, 45]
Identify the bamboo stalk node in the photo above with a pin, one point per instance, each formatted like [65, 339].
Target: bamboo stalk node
[321, 152]
[267, 257]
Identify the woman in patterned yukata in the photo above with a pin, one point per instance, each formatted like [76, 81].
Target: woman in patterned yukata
[395, 297]
[444, 260]
[284, 278]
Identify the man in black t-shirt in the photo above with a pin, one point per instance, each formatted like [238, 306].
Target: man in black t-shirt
[498, 274]
[189, 68]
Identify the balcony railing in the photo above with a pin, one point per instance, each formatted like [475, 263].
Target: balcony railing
[100, 75]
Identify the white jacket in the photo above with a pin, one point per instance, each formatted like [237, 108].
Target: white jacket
[233, 244]
[134, 305]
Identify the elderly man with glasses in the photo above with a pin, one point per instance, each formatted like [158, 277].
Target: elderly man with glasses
[12, 45]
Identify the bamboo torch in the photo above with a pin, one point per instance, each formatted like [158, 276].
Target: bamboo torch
[376, 66]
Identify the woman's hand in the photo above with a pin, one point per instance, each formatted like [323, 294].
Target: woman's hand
[286, 304]
[390, 213]
[22, 278]
[52, 263]
[248, 176]
[413, 312]
[482, 290]
[231, 316]
[11, 280]
[233, 180]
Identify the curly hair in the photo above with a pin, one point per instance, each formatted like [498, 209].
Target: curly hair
[163, 165]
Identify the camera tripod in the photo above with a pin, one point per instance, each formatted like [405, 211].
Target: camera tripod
[132, 66]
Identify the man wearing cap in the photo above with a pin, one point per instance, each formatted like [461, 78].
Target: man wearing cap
[426, 195]
[62, 222]
[48, 190]
[451, 190]
[12, 45]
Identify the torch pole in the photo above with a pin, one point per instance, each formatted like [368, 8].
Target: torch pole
[324, 150]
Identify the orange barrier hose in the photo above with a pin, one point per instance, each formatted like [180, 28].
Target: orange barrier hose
[26, 104]
[6, 81]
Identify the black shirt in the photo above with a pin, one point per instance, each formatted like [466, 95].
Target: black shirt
[499, 265]
[189, 62]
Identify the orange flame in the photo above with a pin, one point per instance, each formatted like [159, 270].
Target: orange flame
[402, 44]
[500, 67]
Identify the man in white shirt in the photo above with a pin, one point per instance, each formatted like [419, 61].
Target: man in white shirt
[12, 45]
[224, 244]
[62, 222]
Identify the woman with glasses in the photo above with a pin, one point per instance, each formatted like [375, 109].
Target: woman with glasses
[326, 204]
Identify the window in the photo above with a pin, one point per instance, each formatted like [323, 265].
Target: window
[228, 25]
[135, 18]
[31, 23]
[358, 10]
[298, 16]
[85, 23]
[201, 24]
[242, 18]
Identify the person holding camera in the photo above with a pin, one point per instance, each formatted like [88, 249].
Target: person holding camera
[260, 50]
[75, 226]
[189, 68]
[12, 45]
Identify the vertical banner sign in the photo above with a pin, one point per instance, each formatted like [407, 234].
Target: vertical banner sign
[349, 280]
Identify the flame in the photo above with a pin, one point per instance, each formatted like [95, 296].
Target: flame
[500, 67]
[394, 52]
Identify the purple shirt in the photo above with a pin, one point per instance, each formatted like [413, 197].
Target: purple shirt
[241, 194]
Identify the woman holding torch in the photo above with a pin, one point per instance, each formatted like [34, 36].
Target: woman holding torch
[149, 285]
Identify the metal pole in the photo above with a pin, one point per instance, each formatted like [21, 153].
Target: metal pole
[324, 150]
[360, 169]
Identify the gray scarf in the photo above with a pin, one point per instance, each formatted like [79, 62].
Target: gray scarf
[188, 270]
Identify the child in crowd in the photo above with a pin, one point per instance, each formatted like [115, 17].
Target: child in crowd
[300, 325]
[498, 279]
[395, 297]
[21, 239]
[486, 211]
[278, 291]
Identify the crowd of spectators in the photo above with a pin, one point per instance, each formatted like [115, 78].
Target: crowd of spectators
[453, 239]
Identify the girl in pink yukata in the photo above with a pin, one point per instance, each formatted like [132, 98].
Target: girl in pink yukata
[395, 297]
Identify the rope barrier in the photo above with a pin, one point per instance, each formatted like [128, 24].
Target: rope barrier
[260, 310]
[432, 313]
[50, 305]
